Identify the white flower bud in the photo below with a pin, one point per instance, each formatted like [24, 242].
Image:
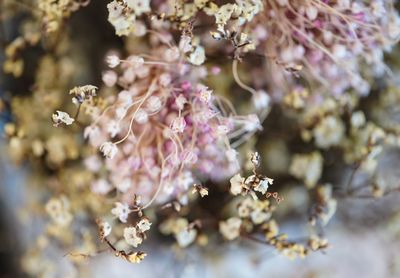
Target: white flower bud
[113, 61]
[109, 149]
[141, 116]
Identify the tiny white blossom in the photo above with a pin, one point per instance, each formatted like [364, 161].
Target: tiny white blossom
[185, 44]
[114, 9]
[252, 123]
[121, 211]
[113, 128]
[262, 186]
[141, 116]
[198, 56]
[357, 119]
[245, 207]
[131, 236]
[154, 103]
[259, 216]
[109, 149]
[204, 93]
[143, 225]
[62, 117]
[260, 100]
[105, 229]
[339, 51]
[180, 101]
[139, 6]
[113, 61]
[165, 79]
[136, 61]
[236, 184]
[178, 125]
[312, 12]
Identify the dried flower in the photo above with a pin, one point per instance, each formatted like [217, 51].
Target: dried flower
[202, 190]
[139, 6]
[197, 57]
[61, 117]
[132, 237]
[262, 186]
[143, 225]
[237, 182]
[121, 211]
[104, 228]
[109, 149]
[135, 257]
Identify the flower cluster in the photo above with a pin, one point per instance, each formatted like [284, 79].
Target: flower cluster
[165, 129]
[160, 145]
[328, 40]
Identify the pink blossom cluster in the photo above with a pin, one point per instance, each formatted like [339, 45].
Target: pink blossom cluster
[165, 129]
[329, 41]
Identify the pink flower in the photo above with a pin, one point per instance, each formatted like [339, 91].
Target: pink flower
[178, 125]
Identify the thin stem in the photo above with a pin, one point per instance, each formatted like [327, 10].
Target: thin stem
[237, 79]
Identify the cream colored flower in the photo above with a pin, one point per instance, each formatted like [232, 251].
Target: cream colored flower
[132, 237]
[198, 56]
[135, 61]
[139, 6]
[261, 100]
[259, 216]
[141, 116]
[204, 93]
[230, 228]
[121, 211]
[62, 117]
[143, 225]
[225, 12]
[357, 119]
[136, 257]
[109, 149]
[105, 229]
[185, 44]
[262, 186]
[113, 61]
[236, 184]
